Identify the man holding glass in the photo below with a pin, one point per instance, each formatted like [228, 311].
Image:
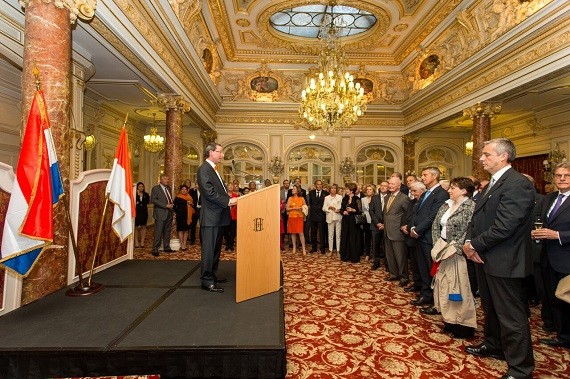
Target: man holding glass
[555, 235]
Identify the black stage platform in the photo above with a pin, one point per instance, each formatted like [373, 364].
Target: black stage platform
[152, 317]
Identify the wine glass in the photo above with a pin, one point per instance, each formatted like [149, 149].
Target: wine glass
[537, 225]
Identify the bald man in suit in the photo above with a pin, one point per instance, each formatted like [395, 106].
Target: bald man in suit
[214, 217]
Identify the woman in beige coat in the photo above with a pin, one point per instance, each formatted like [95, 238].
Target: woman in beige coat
[452, 292]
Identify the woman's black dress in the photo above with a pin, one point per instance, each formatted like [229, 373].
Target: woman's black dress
[181, 210]
[141, 211]
[350, 233]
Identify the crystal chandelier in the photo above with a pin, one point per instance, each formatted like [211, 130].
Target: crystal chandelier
[331, 101]
[153, 142]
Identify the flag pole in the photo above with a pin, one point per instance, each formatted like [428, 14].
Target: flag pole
[101, 228]
[97, 242]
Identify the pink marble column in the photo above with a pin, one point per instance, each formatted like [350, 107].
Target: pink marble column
[47, 46]
[481, 114]
[409, 153]
[175, 107]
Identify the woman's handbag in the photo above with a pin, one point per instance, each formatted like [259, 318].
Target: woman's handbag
[360, 219]
[305, 209]
[442, 250]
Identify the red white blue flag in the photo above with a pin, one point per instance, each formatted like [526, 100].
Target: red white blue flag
[28, 228]
[120, 189]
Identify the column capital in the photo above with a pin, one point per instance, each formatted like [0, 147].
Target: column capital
[208, 136]
[82, 9]
[410, 138]
[478, 110]
[173, 101]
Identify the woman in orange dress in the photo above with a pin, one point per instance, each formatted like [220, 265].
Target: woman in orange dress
[296, 217]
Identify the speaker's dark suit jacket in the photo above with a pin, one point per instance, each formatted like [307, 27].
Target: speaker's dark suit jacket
[214, 216]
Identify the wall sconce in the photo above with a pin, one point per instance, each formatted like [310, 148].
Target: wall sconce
[469, 147]
[554, 157]
[347, 168]
[276, 168]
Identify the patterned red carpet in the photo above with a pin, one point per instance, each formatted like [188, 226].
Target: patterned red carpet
[344, 321]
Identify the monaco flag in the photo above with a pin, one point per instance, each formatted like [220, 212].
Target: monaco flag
[120, 191]
[28, 228]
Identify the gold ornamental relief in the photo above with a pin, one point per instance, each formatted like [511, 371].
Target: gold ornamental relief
[82, 9]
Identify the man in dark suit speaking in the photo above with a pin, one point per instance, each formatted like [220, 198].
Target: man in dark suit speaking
[215, 215]
[497, 240]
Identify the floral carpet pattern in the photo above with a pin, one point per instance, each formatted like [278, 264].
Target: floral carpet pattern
[343, 320]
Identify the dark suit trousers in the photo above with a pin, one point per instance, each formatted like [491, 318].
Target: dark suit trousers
[560, 309]
[423, 255]
[377, 245]
[506, 324]
[211, 241]
[162, 233]
[193, 225]
[319, 227]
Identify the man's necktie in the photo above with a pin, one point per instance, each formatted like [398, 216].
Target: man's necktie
[168, 197]
[390, 200]
[425, 197]
[556, 207]
[490, 185]
[318, 194]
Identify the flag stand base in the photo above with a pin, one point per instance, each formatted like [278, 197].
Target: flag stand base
[84, 289]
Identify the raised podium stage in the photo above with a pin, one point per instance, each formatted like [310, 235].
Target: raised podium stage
[152, 317]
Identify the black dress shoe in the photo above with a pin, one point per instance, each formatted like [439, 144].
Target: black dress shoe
[412, 289]
[554, 342]
[155, 253]
[422, 300]
[313, 251]
[220, 280]
[391, 278]
[482, 350]
[430, 311]
[506, 376]
[375, 266]
[212, 288]
[548, 328]
[403, 282]
[168, 251]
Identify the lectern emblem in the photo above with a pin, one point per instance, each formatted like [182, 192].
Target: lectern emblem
[257, 224]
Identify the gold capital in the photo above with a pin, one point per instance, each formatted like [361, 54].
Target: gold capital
[482, 110]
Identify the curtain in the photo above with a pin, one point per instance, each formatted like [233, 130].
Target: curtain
[532, 165]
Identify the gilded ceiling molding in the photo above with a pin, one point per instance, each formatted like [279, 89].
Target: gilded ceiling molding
[434, 18]
[118, 44]
[186, 8]
[293, 119]
[201, 39]
[472, 31]
[82, 9]
[144, 25]
[208, 136]
[219, 15]
[313, 46]
[533, 51]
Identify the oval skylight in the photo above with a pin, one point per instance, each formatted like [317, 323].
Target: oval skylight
[308, 20]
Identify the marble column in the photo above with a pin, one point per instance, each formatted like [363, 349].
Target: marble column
[47, 47]
[174, 107]
[409, 154]
[481, 114]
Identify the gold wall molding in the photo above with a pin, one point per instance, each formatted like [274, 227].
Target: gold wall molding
[138, 13]
[173, 101]
[82, 9]
[485, 109]
[534, 50]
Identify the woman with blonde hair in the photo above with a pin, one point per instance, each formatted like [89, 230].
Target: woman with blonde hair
[295, 221]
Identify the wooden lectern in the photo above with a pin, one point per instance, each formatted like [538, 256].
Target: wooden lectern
[258, 257]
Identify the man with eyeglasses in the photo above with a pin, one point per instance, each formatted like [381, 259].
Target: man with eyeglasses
[555, 235]
[215, 216]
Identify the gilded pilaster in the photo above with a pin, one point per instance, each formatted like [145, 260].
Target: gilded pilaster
[409, 152]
